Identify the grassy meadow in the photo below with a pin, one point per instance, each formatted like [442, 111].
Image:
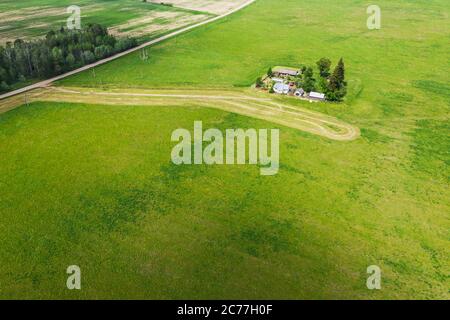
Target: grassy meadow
[94, 186]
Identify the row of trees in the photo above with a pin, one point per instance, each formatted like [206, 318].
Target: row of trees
[332, 84]
[60, 51]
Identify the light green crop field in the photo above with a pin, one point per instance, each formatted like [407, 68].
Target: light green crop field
[28, 19]
[94, 186]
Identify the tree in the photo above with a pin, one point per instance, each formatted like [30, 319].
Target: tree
[88, 56]
[337, 86]
[271, 89]
[270, 72]
[324, 66]
[50, 35]
[322, 84]
[58, 59]
[70, 61]
[308, 83]
[259, 82]
[2, 74]
[303, 69]
[3, 86]
[339, 72]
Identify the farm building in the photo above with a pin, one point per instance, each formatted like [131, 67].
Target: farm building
[317, 95]
[285, 72]
[278, 80]
[281, 88]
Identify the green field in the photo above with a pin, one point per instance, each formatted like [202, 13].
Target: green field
[28, 19]
[93, 185]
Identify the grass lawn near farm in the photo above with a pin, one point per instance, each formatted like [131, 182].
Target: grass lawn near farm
[93, 185]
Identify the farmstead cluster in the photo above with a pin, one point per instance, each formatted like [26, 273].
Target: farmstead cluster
[303, 84]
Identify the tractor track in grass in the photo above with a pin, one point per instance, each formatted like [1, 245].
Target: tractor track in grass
[230, 101]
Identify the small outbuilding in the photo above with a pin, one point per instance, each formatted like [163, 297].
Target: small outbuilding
[299, 92]
[316, 95]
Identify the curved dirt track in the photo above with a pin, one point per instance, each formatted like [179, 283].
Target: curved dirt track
[232, 101]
